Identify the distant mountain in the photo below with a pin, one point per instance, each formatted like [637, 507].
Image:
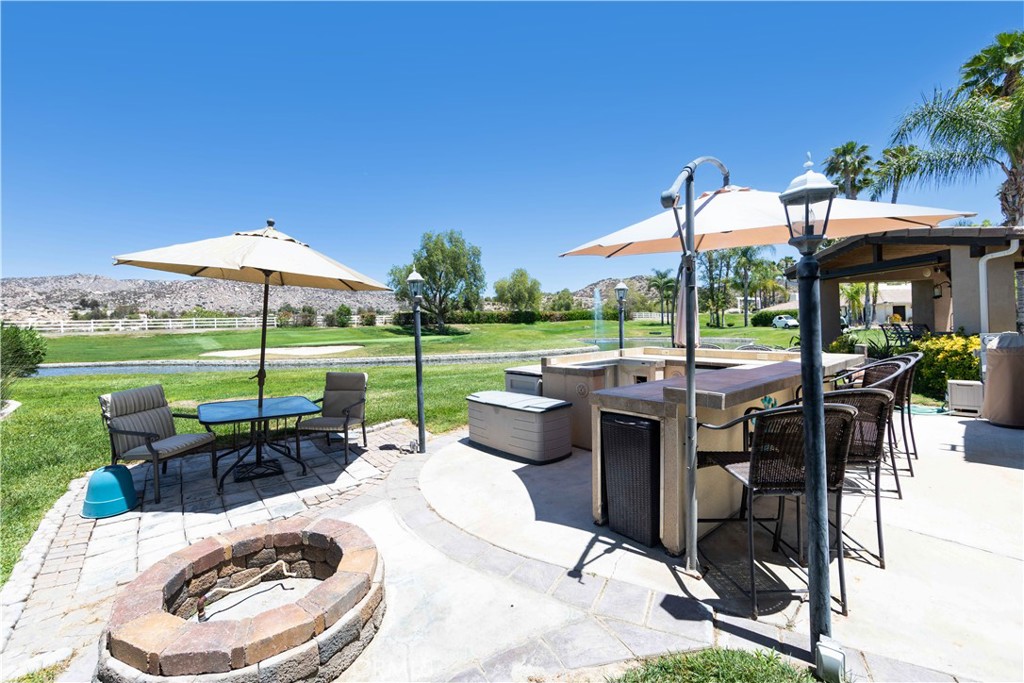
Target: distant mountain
[635, 283]
[55, 297]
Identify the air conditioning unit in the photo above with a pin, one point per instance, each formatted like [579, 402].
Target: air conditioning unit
[964, 397]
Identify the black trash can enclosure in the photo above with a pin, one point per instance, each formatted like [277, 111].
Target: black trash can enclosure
[630, 456]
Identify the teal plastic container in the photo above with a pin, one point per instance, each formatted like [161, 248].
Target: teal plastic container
[111, 491]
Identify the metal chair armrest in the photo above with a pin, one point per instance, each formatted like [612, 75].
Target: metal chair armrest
[147, 435]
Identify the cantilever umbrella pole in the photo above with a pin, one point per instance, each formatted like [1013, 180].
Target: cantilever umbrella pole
[670, 198]
[261, 374]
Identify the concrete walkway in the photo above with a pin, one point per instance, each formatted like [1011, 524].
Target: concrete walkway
[495, 572]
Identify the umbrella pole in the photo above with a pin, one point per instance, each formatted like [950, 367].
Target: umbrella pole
[261, 374]
[670, 199]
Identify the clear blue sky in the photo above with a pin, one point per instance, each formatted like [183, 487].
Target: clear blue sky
[530, 127]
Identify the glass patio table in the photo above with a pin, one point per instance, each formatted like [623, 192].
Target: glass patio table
[249, 410]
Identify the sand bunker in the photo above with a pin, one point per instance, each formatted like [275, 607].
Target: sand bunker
[290, 351]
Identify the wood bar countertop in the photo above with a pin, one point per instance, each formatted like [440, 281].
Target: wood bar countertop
[719, 389]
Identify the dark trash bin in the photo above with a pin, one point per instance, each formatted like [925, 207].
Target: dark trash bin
[630, 457]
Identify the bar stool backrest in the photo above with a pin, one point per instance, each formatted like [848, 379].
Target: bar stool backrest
[777, 449]
[868, 435]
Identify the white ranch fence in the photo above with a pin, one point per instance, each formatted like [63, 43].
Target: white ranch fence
[168, 324]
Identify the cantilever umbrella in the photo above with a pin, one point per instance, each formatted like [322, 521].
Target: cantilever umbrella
[266, 257]
[732, 217]
[740, 217]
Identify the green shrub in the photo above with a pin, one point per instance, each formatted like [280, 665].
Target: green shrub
[368, 318]
[845, 343]
[404, 318]
[21, 352]
[343, 316]
[945, 358]
[765, 318]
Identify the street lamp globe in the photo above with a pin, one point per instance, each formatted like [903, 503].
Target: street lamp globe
[806, 189]
[620, 292]
[415, 281]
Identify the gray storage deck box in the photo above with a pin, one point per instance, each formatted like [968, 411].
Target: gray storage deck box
[524, 379]
[531, 427]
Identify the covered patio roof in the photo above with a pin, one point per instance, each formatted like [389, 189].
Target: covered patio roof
[901, 254]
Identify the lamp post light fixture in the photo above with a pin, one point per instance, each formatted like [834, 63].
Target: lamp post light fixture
[806, 234]
[620, 294]
[415, 281]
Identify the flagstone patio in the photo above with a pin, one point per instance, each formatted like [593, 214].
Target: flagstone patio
[496, 572]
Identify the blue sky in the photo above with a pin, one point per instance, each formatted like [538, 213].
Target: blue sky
[530, 127]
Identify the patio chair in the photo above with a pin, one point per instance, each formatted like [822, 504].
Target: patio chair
[904, 399]
[141, 427]
[344, 406]
[772, 464]
[890, 375]
[867, 444]
[756, 347]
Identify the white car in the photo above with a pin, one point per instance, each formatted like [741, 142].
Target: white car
[785, 322]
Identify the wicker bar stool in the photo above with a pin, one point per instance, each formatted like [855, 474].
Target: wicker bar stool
[772, 464]
[903, 402]
[888, 374]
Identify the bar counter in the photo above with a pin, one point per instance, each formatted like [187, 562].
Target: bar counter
[721, 396]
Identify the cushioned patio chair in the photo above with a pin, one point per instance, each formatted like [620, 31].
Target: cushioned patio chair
[344, 406]
[141, 427]
[772, 464]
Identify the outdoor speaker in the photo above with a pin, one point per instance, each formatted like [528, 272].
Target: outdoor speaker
[110, 492]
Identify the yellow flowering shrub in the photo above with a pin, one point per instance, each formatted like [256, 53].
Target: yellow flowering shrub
[946, 357]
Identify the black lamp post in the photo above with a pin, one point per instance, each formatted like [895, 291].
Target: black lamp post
[805, 190]
[415, 281]
[620, 294]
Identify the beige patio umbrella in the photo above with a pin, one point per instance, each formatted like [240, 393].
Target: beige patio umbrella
[739, 217]
[267, 257]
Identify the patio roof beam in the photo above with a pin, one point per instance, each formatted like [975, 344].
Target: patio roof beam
[892, 264]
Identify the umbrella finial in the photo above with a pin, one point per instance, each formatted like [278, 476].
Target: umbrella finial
[270, 221]
[808, 164]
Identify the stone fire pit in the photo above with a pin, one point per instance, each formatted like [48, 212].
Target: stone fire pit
[152, 633]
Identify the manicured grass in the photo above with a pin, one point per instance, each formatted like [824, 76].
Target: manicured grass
[47, 674]
[376, 341]
[57, 434]
[717, 665]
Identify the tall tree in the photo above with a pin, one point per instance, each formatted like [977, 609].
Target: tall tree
[451, 272]
[746, 260]
[996, 70]
[849, 167]
[715, 269]
[897, 165]
[978, 126]
[519, 291]
[853, 292]
[660, 282]
[562, 301]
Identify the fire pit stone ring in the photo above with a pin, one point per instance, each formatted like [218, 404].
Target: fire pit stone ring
[152, 634]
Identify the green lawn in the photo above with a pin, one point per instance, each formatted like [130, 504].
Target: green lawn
[717, 665]
[57, 434]
[376, 341]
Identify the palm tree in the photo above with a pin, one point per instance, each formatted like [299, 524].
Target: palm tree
[849, 167]
[660, 282]
[746, 260]
[897, 164]
[969, 136]
[853, 292]
[996, 70]
[977, 127]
